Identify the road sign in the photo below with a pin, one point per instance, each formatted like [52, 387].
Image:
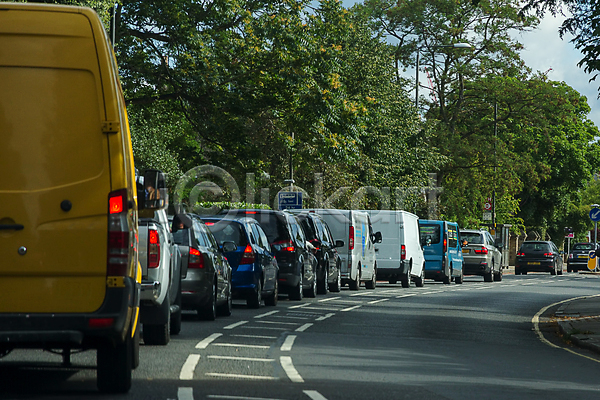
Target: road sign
[289, 200]
[487, 216]
[595, 214]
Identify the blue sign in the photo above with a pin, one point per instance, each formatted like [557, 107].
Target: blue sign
[290, 200]
[595, 214]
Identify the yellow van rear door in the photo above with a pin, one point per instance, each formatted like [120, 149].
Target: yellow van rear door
[54, 160]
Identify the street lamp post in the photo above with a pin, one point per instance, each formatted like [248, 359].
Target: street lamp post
[454, 46]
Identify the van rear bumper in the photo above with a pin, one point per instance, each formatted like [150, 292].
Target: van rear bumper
[386, 274]
[80, 331]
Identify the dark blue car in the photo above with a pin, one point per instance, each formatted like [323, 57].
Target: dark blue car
[254, 267]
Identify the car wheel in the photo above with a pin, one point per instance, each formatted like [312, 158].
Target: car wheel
[420, 280]
[209, 311]
[337, 285]
[114, 366]
[255, 298]
[569, 269]
[405, 279]
[489, 276]
[560, 270]
[355, 284]
[312, 290]
[373, 282]
[553, 271]
[498, 276]
[272, 300]
[459, 279]
[176, 317]
[227, 308]
[323, 283]
[297, 292]
[158, 334]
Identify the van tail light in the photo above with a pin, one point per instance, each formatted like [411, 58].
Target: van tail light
[248, 257]
[195, 259]
[445, 245]
[403, 252]
[285, 245]
[482, 250]
[351, 239]
[118, 234]
[153, 248]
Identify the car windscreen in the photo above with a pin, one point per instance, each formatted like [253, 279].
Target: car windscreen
[584, 246]
[225, 231]
[472, 237]
[429, 232]
[535, 247]
[182, 237]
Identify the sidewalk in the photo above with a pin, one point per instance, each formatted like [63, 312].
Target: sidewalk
[579, 320]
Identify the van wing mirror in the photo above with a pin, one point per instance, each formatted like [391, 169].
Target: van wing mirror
[339, 243]
[152, 191]
[377, 238]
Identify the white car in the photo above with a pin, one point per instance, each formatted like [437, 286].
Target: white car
[482, 255]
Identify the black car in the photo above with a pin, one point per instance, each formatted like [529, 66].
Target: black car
[286, 237]
[329, 262]
[254, 267]
[579, 256]
[538, 256]
[206, 288]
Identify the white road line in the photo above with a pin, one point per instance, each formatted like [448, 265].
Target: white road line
[277, 323]
[239, 376]
[235, 325]
[249, 346]
[187, 371]
[329, 299]
[241, 358]
[185, 393]
[432, 292]
[377, 301]
[272, 328]
[205, 342]
[266, 314]
[406, 295]
[290, 317]
[256, 336]
[324, 317]
[288, 343]
[288, 367]
[314, 395]
[322, 308]
[349, 301]
[351, 308]
[298, 306]
[304, 327]
[217, 396]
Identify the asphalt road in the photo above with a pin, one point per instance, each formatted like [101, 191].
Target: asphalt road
[471, 341]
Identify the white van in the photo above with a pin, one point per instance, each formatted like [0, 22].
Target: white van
[399, 255]
[359, 263]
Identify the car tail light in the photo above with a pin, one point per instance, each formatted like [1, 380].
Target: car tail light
[195, 259]
[118, 234]
[153, 248]
[549, 255]
[248, 257]
[316, 243]
[403, 252]
[482, 250]
[286, 245]
[351, 239]
[520, 254]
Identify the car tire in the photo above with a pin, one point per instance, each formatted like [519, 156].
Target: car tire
[420, 280]
[355, 284]
[489, 276]
[337, 285]
[272, 299]
[312, 290]
[297, 292]
[405, 279]
[322, 284]
[372, 284]
[459, 279]
[158, 334]
[498, 276]
[209, 311]
[176, 317]
[255, 298]
[569, 269]
[227, 308]
[553, 271]
[114, 366]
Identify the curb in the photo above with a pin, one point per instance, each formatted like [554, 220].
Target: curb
[580, 329]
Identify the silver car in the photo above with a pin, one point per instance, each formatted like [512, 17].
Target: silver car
[481, 255]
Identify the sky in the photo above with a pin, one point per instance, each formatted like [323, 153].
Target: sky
[544, 50]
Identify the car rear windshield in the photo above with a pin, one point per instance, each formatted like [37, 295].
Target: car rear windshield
[472, 237]
[273, 224]
[535, 247]
[429, 232]
[227, 231]
[308, 228]
[584, 246]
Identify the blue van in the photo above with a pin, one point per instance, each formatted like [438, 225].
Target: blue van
[442, 250]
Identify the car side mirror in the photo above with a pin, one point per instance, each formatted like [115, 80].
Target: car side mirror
[152, 191]
[339, 243]
[229, 246]
[377, 238]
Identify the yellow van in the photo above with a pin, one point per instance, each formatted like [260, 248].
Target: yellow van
[69, 274]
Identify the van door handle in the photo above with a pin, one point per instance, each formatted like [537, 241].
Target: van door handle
[16, 227]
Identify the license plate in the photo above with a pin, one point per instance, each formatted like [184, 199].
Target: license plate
[466, 251]
[582, 256]
[533, 263]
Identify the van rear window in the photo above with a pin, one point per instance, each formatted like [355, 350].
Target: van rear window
[429, 232]
[51, 128]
